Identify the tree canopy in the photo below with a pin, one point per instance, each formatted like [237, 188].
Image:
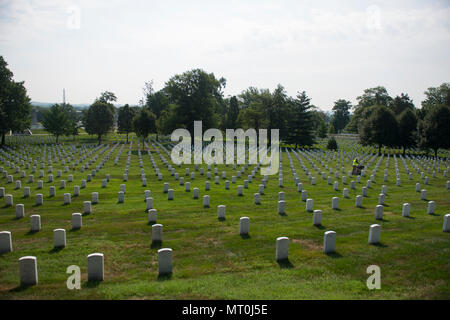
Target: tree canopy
[15, 104]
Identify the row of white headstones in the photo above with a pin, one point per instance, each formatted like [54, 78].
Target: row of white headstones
[282, 242]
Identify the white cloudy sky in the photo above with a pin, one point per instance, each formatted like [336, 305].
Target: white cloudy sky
[330, 49]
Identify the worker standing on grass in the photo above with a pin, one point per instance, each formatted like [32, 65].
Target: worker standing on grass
[355, 166]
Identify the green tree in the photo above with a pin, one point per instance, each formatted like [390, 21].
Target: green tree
[233, 113]
[252, 117]
[107, 97]
[379, 128]
[322, 131]
[401, 103]
[332, 144]
[435, 96]
[377, 96]
[15, 105]
[196, 95]
[300, 126]
[434, 130]
[99, 119]
[341, 116]
[125, 119]
[59, 121]
[144, 123]
[407, 129]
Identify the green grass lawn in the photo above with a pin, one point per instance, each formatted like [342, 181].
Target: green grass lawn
[210, 259]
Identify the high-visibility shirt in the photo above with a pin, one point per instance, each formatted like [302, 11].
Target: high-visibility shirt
[355, 162]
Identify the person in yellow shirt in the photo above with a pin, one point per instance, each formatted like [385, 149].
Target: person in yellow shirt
[355, 166]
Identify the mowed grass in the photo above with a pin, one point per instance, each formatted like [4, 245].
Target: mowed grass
[210, 259]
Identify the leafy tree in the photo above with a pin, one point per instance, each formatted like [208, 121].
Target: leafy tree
[377, 96]
[341, 116]
[434, 130]
[252, 117]
[401, 103]
[322, 131]
[233, 113]
[99, 119]
[300, 126]
[407, 129]
[125, 119]
[435, 96]
[15, 105]
[196, 95]
[332, 144]
[144, 123]
[379, 128]
[374, 96]
[58, 120]
[107, 97]
[331, 129]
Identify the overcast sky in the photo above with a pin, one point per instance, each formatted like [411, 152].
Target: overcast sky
[331, 49]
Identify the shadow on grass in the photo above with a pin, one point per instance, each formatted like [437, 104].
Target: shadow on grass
[380, 245]
[285, 264]
[6, 206]
[320, 227]
[283, 214]
[386, 205]
[164, 277]
[20, 288]
[382, 220]
[151, 223]
[221, 219]
[337, 209]
[85, 214]
[36, 205]
[74, 229]
[31, 232]
[361, 207]
[334, 255]
[91, 284]
[156, 245]
[409, 217]
[245, 236]
[434, 214]
[56, 249]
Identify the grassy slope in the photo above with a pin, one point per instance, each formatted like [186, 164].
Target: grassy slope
[211, 260]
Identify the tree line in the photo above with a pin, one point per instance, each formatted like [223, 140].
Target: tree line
[379, 119]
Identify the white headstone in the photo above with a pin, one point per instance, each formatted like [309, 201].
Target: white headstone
[329, 242]
[406, 208]
[39, 199]
[5, 242]
[282, 249]
[165, 261]
[431, 207]
[59, 238]
[379, 209]
[281, 207]
[309, 205]
[374, 233]
[244, 225]
[257, 198]
[87, 207]
[95, 267]
[205, 201]
[170, 194]
[221, 211]
[446, 225]
[157, 232]
[77, 221]
[152, 216]
[35, 222]
[28, 271]
[335, 203]
[317, 217]
[20, 211]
